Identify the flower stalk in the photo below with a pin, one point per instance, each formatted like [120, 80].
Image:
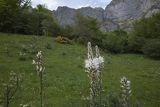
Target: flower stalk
[93, 66]
[125, 85]
[10, 88]
[38, 62]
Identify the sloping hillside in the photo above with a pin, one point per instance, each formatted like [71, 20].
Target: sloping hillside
[65, 81]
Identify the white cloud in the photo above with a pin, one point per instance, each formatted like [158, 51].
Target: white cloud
[51, 4]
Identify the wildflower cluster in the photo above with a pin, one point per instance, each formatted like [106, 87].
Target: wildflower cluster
[39, 63]
[40, 69]
[93, 63]
[125, 91]
[93, 67]
[10, 88]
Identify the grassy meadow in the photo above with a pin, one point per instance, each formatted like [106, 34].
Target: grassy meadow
[65, 81]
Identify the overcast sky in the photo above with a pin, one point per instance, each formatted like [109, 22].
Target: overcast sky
[53, 4]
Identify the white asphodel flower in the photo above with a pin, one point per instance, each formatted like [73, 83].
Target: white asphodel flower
[88, 63]
[90, 52]
[38, 62]
[33, 62]
[125, 82]
[93, 63]
[96, 63]
[125, 85]
[39, 54]
[101, 60]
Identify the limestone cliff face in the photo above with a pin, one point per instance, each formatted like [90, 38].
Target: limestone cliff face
[92, 12]
[65, 15]
[123, 12]
[118, 14]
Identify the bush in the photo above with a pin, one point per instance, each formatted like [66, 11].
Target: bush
[67, 31]
[60, 39]
[135, 44]
[114, 42]
[143, 30]
[152, 48]
[85, 28]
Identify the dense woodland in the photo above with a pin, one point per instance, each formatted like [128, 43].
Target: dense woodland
[17, 16]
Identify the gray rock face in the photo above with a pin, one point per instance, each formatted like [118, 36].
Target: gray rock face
[118, 14]
[92, 12]
[122, 12]
[65, 15]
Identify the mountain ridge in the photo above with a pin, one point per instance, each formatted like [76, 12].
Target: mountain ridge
[117, 14]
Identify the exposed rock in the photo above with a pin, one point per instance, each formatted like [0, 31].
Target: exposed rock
[118, 14]
[122, 12]
[108, 25]
[65, 15]
[92, 12]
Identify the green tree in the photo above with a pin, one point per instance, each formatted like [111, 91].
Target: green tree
[85, 28]
[43, 23]
[50, 27]
[67, 31]
[143, 30]
[152, 48]
[9, 11]
[115, 41]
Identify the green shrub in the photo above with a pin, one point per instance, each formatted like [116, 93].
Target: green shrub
[85, 28]
[114, 42]
[67, 31]
[152, 48]
[143, 30]
[60, 39]
[135, 44]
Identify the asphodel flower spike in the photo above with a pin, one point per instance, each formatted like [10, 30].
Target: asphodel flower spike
[39, 63]
[125, 85]
[90, 52]
[93, 65]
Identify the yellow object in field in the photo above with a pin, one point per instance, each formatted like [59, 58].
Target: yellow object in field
[60, 39]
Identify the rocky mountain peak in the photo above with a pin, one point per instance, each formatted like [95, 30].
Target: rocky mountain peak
[118, 14]
[115, 2]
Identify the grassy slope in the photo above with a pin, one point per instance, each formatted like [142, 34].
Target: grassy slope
[65, 79]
